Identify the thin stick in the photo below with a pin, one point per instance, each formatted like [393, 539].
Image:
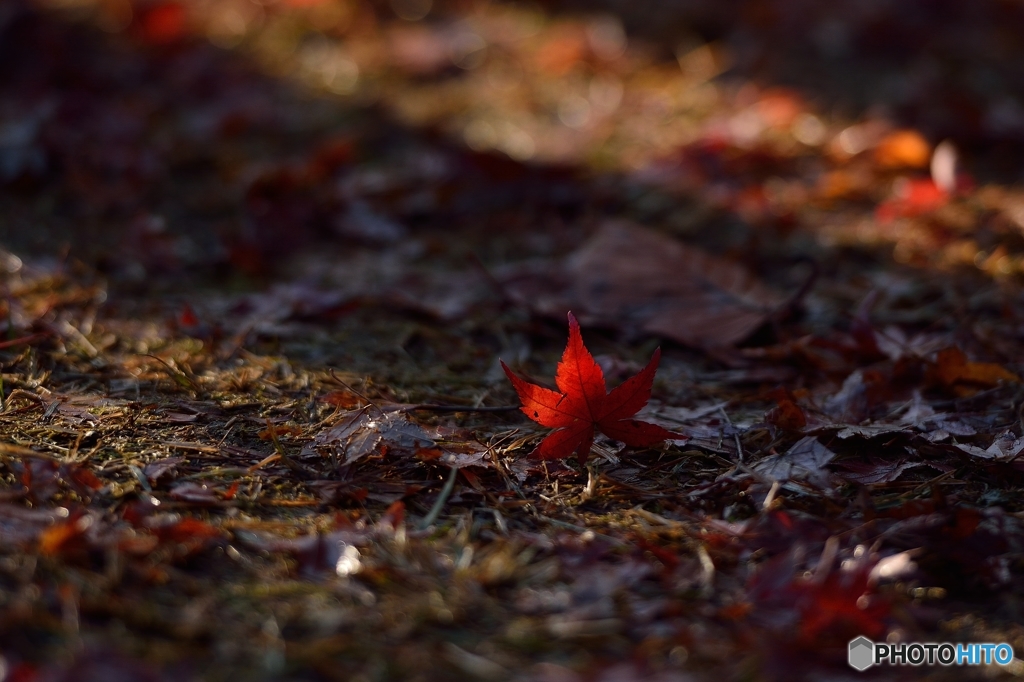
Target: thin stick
[285, 459]
[179, 376]
[736, 436]
[23, 340]
[435, 511]
[340, 381]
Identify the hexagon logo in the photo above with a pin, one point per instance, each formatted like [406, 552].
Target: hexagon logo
[862, 653]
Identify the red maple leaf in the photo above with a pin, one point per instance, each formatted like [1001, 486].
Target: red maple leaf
[585, 405]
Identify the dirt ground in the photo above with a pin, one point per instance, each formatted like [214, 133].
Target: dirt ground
[259, 261]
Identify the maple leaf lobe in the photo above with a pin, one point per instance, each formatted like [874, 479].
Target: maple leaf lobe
[584, 404]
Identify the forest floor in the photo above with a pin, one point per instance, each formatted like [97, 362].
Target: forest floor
[259, 262]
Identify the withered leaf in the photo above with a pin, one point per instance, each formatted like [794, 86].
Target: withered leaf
[875, 470]
[362, 432]
[629, 276]
[157, 469]
[952, 369]
[806, 460]
[1004, 448]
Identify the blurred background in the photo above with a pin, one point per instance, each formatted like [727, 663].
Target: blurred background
[156, 136]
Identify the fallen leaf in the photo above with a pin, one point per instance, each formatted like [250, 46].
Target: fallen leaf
[702, 427]
[903, 149]
[952, 369]
[911, 198]
[806, 459]
[81, 479]
[364, 224]
[273, 432]
[786, 415]
[360, 433]
[875, 470]
[393, 517]
[869, 430]
[21, 526]
[157, 469]
[65, 536]
[1004, 448]
[463, 455]
[719, 439]
[585, 405]
[187, 531]
[627, 275]
[858, 395]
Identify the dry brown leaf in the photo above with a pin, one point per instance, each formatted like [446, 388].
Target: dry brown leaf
[952, 368]
[364, 432]
[876, 470]
[807, 459]
[629, 276]
[361, 433]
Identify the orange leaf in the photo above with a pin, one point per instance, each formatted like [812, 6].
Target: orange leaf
[903, 149]
[187, 530]
[62, 536]
[278, 431]
[952, 367]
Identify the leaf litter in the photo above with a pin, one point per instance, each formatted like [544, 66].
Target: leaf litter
[221, 448]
